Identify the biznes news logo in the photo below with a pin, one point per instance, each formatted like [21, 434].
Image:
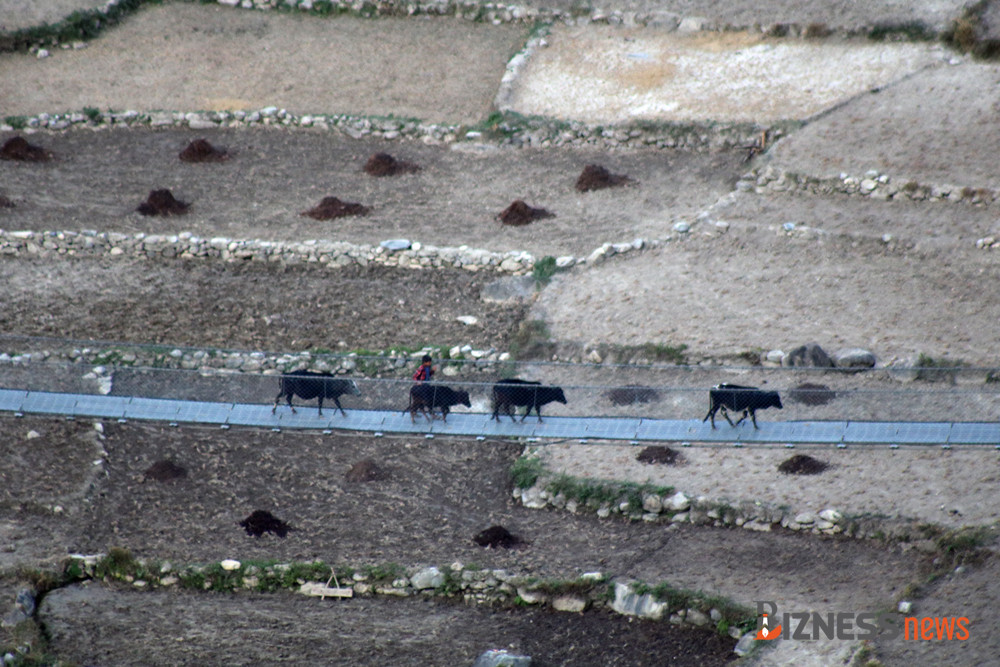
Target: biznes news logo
[856, 625]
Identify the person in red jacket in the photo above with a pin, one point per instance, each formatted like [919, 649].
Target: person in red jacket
[426, 370]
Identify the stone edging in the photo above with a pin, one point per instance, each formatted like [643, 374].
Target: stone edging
[676, 507]
[186, 245]
[334, 254]
[592, 590]
[873, 184]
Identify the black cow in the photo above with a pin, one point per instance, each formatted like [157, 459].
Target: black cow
[740, 399]
[425, 397]
[308, 385]
[511, 393]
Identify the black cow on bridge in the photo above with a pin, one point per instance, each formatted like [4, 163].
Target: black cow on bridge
[425, 397]
[308, 385]
[512, 393]
[740, 399]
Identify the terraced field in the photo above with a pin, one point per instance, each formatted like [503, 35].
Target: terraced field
[846, 197]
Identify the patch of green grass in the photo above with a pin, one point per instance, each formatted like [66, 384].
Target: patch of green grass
[595, 493]
[674, 354]
[384, 572]
[543, 270]
[911, 31]
[16, 122]
[963, 543]
[525, 471]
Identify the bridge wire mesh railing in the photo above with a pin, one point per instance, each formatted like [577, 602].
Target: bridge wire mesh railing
[591, 391]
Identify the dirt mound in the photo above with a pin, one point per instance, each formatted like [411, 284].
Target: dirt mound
[262, 521]
[165, 471]
[808, 393]
[331, 207]
[519, 213]
[365, 470]
[800, 464]
[200, 150]
[658, 454]
[497, 536]
[162, 202]
[631, 394]
[596, 177]
[383, 164]
[18, 148]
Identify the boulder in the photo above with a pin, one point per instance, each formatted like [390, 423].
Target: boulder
[853, 358]
[809, 355]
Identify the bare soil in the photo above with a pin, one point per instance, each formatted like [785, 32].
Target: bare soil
[433, 499]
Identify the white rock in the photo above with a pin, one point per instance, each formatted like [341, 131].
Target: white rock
[831, 515]
[531, 597]
[430, 577]
[698, 617]
[570, 603]
[679, 502]
[905, 607]
[652, 503]
[467, 319]
[805, 519]
[230, 564]
[565, 261]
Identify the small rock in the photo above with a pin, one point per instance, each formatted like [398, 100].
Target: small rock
[679, 502]
[808, 355]
[570, 603]
[502, 658]
[745, 644]
[853, 358]
[430, 577]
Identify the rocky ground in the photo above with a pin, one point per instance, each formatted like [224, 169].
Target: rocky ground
[900, 277]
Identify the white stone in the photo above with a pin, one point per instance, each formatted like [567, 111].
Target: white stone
[652, 503]
[905, 607]
[467, 319]
[698, 617]
[230, 565]
[531, 597]
[831, 515]
[679, 502]
[570, 603]
[805, 519]
[430, 577]
[567, 261]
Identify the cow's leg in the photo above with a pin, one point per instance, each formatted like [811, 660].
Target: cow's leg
[444, 413]
[725, 413]
[711, 415]
[753, 418]
[321, 405]
[538, 411]
[336, 399]
[276, 400]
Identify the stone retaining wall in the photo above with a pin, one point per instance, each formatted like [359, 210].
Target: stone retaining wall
[334, 254]
[873, 184]
[456, 581]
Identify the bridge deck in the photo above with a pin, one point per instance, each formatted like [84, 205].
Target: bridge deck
[480, 424]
